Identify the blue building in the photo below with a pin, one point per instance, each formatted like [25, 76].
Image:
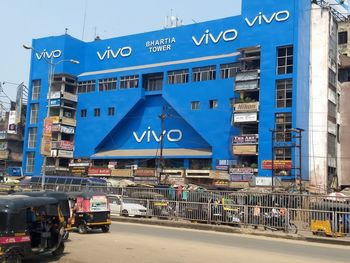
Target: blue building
[221, 100]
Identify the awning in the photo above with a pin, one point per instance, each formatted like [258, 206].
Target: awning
[143, 153]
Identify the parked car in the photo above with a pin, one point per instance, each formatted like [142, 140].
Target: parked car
[125, 206]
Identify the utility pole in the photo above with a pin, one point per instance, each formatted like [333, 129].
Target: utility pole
[161, 162]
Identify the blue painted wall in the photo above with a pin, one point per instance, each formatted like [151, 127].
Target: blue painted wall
[136, 110]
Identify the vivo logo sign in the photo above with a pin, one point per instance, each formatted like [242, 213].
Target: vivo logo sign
[110, 53]
[45, 54]
[263, 19]
[208, 37]
[174, 135]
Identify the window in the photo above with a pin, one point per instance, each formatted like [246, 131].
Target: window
[283, 122]
[128, 82]
[178, 76]
[332, 111]
[283, 153]
[284, 93]
[32, 132]
[34, 109]
[344, 75]
[111, 111]
[229, 70]
[195, 105]
[107, 84]
[332, 77]
[213, 104]
[83, 113]
[204, 73]
[36, 89]
[97, 112]
[30, 162]
[153, 82]
[86, 86]
[343, 37]
[285, 60]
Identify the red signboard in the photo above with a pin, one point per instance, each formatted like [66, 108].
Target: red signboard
[145, 172]
[99, 171]
[47, 127]
[277, 164]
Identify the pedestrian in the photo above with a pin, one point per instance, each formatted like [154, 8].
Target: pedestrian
[256, 215]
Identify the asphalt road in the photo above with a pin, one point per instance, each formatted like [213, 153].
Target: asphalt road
[135, 243]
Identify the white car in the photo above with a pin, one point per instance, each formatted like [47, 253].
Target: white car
[126, 206]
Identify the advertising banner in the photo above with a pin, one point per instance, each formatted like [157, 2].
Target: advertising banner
[277, 164]
[242, 170]
[4, 154]
[55, 102]
[46, 146]
[93, 171]
[245, 117]
[63, 145]
[244, 149]
[65, 154]
[145, 172]
[245, 139]
[12, 127]
[47, 127]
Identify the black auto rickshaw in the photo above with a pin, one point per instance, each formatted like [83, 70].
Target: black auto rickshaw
[90, 211]
[330, 218]
[62, 198]
[156, 203]
[30, 226]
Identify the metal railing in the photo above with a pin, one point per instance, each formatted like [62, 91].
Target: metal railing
[317, 214]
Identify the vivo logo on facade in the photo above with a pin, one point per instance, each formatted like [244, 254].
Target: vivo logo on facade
[174, 135]
[261, 18]
[110, 53]
[208, 37]
[45, 54]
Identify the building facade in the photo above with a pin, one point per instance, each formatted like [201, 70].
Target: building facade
[217, 102]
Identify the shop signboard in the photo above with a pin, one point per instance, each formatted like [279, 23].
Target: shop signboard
[65, 154]
[245, 117]
[245, 139]
[277, 164]
[263, 181]
[14, 171]
[226, 162]
[48, 127]
[145, 180]
[244, 149]
[55, 119]
[12, 127]
[222, 183]
[55, 95]
[241, 177]
[67, 129]
[242, 170]
[79, 164]
[3, 135]
[221, 167]
[145, 172]
[78, 171]
[45, 148]
[97, 171]
[55, 102]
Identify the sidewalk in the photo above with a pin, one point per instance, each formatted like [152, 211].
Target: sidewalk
[302, 235]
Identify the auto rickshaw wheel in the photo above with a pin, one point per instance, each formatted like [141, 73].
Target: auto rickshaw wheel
[105, 229]
[82, 229]
[59, 251]
[13, 258]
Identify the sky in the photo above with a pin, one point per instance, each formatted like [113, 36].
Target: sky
[24, 20]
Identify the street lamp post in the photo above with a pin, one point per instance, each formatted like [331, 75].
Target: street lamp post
[273, 158]
[51, 70]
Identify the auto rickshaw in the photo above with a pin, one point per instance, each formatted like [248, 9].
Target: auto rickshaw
[90, 211]
[30, 226]
[157, 204]
[64, 206]
[330, 218]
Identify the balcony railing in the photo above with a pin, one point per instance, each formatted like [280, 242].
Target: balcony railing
[70, 96]
[69, 121]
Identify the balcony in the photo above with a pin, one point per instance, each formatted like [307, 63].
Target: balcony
[70, 96]
[248, 80]
[247, 107]
[68, 121]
